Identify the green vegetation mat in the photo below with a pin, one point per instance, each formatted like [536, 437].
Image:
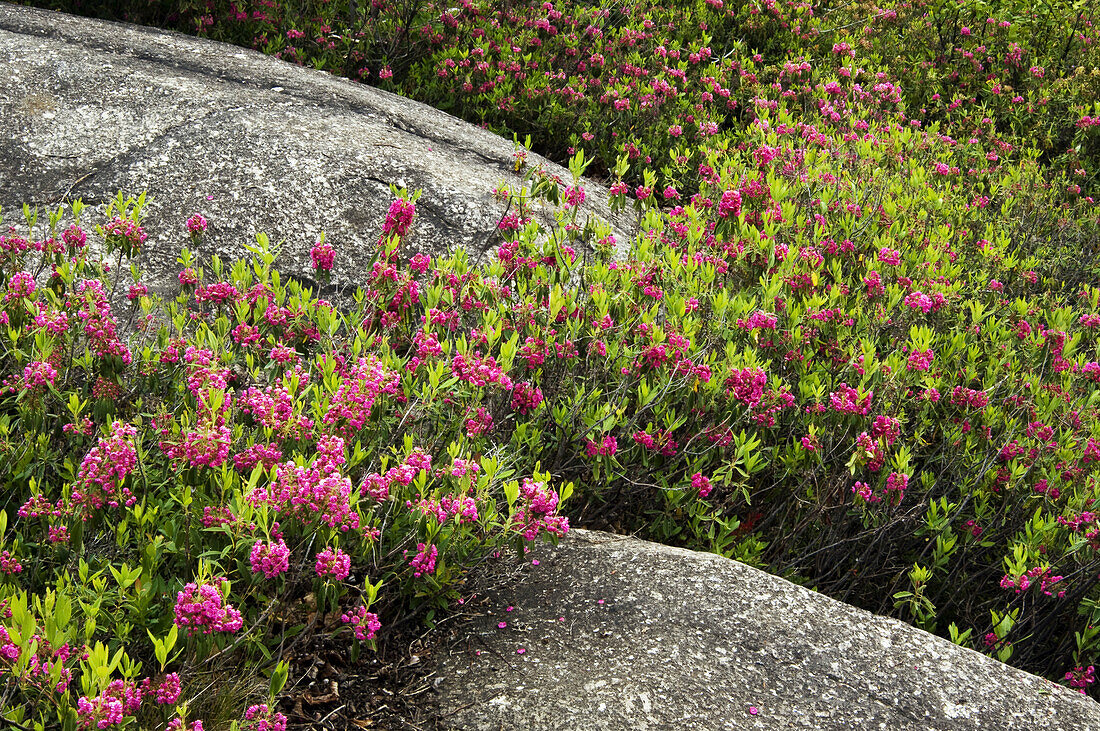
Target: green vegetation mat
[855, 342]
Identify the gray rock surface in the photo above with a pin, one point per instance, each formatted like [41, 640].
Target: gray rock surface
[88, 108]
[618, 633]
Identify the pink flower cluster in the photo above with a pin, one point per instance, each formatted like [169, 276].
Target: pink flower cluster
[896, 484]
[865, 492]
[261, 718]
[701, 484]
[462, 467]
[9, 564]
[42, 663]
[266, 454]
[272, 407]
[538, 511]
[378, 486]
[479, 371]
[54, 322]
[921, 360]
[869, 450]
[21, 286]
[730, 204]
[196, 225]
[606, 448]
[1081, 678]
[188, 277]
[747, 385]
[100, 327]
[37, 374]
[533, 352]
[1026, 580]
[316, 492]
[349, 408]
[887, 427]
[661, 442]
[873, 283]
[398, 219]
[74, 238]
[364, 624]
[424, 561]
[168, 692]
[109, 708]
[322, 256]
[919, 301]
[333, 562]
[202, 608]
[103, 469]
[847, 400]
[126, 233]
[574, 196]
[479, 424]
[461, 507]
[178, 724]
[759, 320]
[270, 559]
[967, 397]
[526, 398]
[889, 256]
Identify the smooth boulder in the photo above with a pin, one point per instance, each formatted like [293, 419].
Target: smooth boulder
[254, 144]
[611, 632]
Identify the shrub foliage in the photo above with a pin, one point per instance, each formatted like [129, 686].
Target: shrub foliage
[854, 341]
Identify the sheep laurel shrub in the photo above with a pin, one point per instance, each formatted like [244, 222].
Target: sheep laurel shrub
[855, 339]
[182, 476]
[665, 82]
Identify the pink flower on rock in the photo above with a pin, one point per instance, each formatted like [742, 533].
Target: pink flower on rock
[188, 277]
[1081, 678]
[196, 225]
[322, 256]
[74, 237]
[126, 234]
[574, 196]
[398, 219]
[538, 511]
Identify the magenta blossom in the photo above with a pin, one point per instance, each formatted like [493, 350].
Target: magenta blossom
[201, 608]
[271, 558]
[333, 562]
[322, 255]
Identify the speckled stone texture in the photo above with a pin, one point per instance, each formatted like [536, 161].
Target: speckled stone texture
[88, 108]
[619, 633]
